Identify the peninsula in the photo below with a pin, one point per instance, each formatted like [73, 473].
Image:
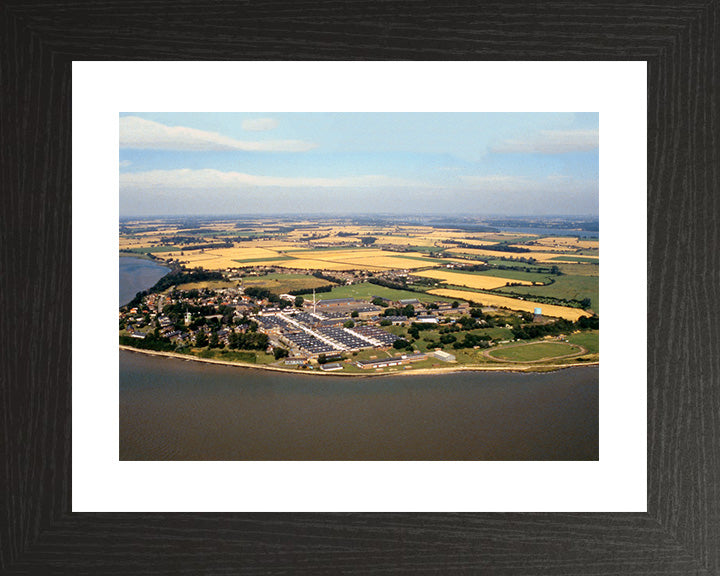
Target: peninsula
[366, 298]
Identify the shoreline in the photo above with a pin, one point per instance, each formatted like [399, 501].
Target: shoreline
[423, 371]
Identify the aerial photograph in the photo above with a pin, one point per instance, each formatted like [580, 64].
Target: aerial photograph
[359, 286]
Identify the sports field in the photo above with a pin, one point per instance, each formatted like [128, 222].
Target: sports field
[534, 351]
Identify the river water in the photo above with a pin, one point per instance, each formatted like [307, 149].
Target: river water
[174, 409]
[137, 274]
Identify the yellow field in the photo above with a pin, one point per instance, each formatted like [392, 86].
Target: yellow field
[539, 256]
[306, 264]
[385, 262]
[470, 280]
[512, 303]
[342, 255]
[569, 242]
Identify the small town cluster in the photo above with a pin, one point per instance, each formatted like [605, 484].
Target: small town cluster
[302, 332]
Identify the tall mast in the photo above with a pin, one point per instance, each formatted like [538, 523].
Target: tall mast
[313, 300]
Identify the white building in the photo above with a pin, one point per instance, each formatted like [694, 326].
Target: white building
[442, 355]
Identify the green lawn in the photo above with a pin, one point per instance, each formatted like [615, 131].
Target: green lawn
[570, 287]
[534, 351]
[589, 340]
[366, 291]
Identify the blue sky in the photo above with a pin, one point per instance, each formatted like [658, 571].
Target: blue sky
[359, 163]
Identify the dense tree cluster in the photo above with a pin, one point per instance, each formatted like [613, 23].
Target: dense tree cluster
[408, 311]
[280, 353]
[328, 277]
[305, 291]
[389, 284]
[530, 331]
[248, 341]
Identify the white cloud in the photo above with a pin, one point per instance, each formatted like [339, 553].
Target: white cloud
[259, 124]
[125, 163]
[551, 142]
[209, 179]
[139, 133]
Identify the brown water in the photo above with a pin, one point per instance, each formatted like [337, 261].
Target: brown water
[174, 409]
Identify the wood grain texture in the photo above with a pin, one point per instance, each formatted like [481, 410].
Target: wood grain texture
[681, 532]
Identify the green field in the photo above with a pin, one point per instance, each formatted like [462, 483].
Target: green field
[281, 283]
[248, 356]
[589, 340]
[366, 291]
[511, 264]
[534, 351]
[573, 259]
[431, 249]
[570, 287]
[580, 269]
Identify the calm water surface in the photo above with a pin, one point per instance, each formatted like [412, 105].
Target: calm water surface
[174, 409]
[137, 274]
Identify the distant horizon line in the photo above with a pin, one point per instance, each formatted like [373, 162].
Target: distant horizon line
[591, 217]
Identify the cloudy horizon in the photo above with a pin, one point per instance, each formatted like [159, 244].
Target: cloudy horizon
[410, 163]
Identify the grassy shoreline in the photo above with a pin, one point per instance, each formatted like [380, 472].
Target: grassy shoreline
[423, 371]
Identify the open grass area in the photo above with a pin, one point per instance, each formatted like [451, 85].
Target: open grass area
[534, 351]
[589, 340]
[248, 356]
[282, 283]
[496, 333]
[366, 291]
[569, 287]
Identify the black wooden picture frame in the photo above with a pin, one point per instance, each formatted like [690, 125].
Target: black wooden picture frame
[680, 533]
